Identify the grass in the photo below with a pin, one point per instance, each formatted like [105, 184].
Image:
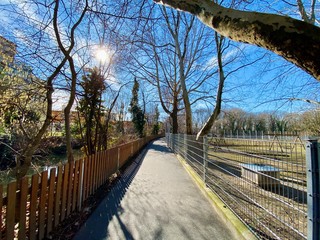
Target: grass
[287, 201]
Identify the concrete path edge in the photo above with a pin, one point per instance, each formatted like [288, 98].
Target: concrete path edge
[230, 219]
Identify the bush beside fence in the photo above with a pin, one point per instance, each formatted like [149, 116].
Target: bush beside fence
[45, 200]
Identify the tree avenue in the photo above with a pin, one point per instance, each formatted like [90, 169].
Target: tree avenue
[294, 40]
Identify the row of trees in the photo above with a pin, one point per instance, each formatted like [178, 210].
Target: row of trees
[237, 120]
[23, 104]
[263, 27]
[182, 62]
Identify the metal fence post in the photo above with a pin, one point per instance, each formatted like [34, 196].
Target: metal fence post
[205, 157]
[178, 143]
[185, 146]
[173, 142]
[313, 187]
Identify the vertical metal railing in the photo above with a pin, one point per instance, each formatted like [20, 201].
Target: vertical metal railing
[205, 158]
[313, 186]
[283, 203]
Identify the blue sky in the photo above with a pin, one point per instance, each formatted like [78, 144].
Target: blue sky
[265, 86]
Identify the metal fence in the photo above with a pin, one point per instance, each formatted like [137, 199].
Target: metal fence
[267, 135]
[264, 182]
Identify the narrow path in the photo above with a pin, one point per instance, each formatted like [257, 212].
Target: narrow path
[155, 199]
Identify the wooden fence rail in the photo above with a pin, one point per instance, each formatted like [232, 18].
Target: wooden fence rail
[45, 200]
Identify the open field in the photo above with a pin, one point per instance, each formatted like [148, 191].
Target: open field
[275, 209]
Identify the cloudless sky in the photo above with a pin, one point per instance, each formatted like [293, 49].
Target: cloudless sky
[266, 85]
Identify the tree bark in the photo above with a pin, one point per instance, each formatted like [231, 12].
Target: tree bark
[174, 118]
[294, 40]
[174, 31]
[217, 109]
[67, 55]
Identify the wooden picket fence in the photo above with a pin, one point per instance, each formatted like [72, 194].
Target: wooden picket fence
[43, 201]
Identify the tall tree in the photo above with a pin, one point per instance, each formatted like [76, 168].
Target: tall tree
[294, 40]
[40, 29]
[66, 50]
[174, 62]
[156, 127]
[137, 114]
[89, 106]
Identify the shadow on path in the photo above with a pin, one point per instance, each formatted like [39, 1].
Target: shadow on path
[111, 206]
[156, 200]
[159, 148]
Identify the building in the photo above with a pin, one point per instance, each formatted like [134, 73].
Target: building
[8, 50]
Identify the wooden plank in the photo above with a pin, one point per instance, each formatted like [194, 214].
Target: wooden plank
[96, 175]
[75, 185]
[97, 171]
[1, 199]
[83, 188]
[88, 176]
[33, 206]
[24, 190]
[51, 200]
[57, 200]
[92, 174]
[100, 169]
[80, 185]
[69, 186]
[64, 191]
[107, 164]
[103, 162]
[11, 207]
[42, 204]
[85, 179]
[104, 167]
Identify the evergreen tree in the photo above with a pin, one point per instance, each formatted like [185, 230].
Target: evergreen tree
[136, 111]
[156, 126]
[120, 126]
[90, 106]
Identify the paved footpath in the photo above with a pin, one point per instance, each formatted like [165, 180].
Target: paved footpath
[155, 199]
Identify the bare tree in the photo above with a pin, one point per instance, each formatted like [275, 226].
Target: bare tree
[280, 34]
[177, 57]
[37, 38]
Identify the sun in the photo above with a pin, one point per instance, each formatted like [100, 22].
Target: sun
[102, 55]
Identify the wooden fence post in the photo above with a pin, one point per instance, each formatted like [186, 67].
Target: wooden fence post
[23, 207]
[42, 204]
[33, 206]
[51, 200]
[11, 206]
[57, 206]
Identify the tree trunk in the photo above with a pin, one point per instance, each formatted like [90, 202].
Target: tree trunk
[216, 112]
[23, 166]
[294, 40]
[174, 117]
[68, 134]
[67, 111]
[187, 108]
